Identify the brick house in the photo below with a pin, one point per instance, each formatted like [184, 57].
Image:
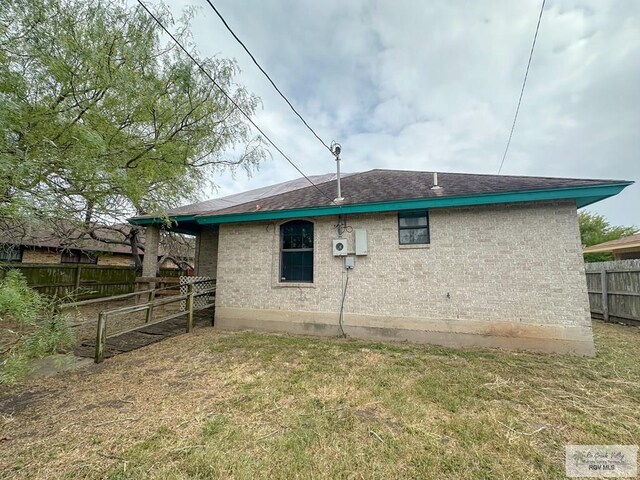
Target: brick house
[39, 245]
[448, 259]
[625, 248]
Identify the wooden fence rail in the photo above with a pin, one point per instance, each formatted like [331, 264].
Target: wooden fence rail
[614, 291]
[148, 307]
[79, 280]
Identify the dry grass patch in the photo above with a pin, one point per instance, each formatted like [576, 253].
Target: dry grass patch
[248, 405]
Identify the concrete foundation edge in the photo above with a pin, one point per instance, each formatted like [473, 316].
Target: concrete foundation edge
[571, 339]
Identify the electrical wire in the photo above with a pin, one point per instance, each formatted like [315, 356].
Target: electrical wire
[268, 77]
[233, 102]
[341, 320]
[533, 45]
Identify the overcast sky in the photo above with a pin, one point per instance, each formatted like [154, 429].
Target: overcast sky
[433, 85]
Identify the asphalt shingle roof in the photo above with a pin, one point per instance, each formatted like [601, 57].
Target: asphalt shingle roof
[377, 186]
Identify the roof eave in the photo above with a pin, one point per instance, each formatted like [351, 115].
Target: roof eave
[583, 195]
[624, 248]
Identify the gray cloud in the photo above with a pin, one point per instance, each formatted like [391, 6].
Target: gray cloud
[433, 85]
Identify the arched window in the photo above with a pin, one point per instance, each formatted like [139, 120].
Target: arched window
[296, 251]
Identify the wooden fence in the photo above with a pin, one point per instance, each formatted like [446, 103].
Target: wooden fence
[82, 281]
[201, 291]
[614, 291]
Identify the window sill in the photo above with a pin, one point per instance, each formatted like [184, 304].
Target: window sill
[293, 285]
[415, 246]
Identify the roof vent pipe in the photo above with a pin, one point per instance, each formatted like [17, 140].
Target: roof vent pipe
[435, 182]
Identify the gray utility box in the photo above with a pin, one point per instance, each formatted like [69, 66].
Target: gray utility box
[340, 247]
[361, 242]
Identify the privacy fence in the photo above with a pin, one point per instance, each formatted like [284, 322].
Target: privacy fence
[84, 281]
[614, 291]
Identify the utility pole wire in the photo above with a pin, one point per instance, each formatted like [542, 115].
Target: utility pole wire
[268, 77]
[233, 102]
[526, 74]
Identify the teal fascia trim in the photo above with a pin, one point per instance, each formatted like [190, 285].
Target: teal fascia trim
[185, 231]
[174, 220]
[585, 201]
[582, 195]
[150, 221]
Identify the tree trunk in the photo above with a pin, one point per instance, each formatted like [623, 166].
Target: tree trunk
[135, 251]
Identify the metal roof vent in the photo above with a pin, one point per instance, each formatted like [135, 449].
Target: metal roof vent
[435, 182]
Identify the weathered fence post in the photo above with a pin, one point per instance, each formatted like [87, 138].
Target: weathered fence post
[189, 307]
[614, 291]
[152, 297]
[101, 338]
[605, 294]
[76, 280]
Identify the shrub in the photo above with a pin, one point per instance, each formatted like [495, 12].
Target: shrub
[18, 302]
[39, 332]
[14, 368]
[52, 335]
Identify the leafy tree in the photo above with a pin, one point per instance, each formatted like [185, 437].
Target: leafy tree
[595, 229]
[102, 118]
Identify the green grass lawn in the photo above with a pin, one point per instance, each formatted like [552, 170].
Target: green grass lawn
[248, 405]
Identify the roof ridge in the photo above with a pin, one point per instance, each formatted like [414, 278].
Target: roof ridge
[495, 175]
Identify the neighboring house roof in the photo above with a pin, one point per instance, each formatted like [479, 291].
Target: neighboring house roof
[68, 237]
[384, 190]
[630, 243]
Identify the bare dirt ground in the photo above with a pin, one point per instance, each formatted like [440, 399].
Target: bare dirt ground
[217, 404]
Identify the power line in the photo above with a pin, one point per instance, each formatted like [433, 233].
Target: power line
[533, 45]
[268, 77]
[233, 102]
